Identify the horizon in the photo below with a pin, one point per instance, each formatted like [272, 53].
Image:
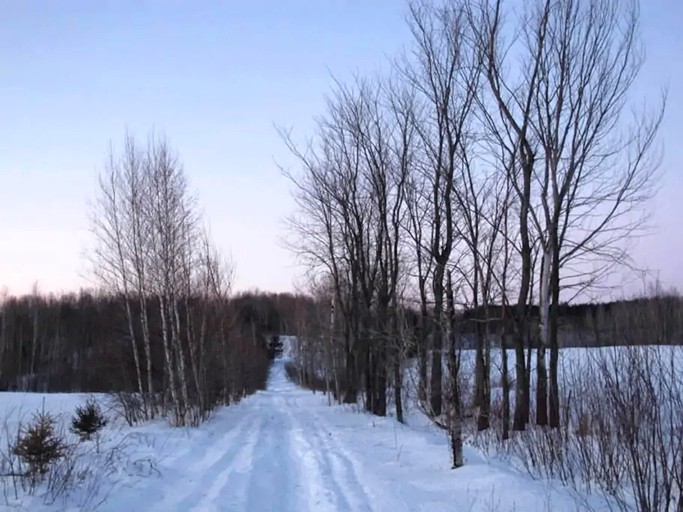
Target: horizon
[218, 80]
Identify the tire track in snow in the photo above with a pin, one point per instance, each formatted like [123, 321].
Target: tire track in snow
[343, 470]
[272, 478]
[350, 496]
[184, 491]
[230, 484]
[312, 472]
[213, 456]
[373, 490]
[186, 442]
[283, 453]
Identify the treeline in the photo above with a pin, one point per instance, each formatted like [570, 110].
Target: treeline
[652, 319]
[81, 342]
[498, 162]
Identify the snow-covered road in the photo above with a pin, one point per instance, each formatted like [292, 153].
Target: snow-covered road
[285, 449]
[281, 455]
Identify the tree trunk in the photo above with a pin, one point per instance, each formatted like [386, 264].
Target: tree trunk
[369, 379]
[194, 344]
[554, 390]
[504, 378]
[435, 399]
[398, 385]
[543, 341]
[381, 381]
[522, 382]
[227, 383]
[180, 355]
[170, 371]
[422, 341]
[350, 393]
[455, 409]
[136, 356]
[482, 380]
[541, 387]
[521, 417]
[148, 352]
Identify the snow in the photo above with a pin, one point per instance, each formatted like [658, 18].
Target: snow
[286, 449]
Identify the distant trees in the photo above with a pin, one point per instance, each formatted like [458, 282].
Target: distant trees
[83, 345]
[498, 152]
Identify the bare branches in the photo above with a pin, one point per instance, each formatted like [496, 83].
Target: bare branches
[151, 250]
[500, 153]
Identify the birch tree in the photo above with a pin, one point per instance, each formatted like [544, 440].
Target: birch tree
[110, 258]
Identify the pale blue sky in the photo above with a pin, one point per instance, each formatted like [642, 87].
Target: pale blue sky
[216, 77]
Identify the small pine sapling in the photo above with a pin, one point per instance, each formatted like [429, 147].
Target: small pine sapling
[40, 445]
[88, 420]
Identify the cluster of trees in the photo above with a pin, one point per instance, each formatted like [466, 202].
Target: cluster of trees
[151, 251]
[495, 165]
[163, 326]
[655, 319]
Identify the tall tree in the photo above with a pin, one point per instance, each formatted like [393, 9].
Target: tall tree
[445, 78]
[585, 170]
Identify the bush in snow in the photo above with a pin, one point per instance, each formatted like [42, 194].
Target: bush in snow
[130, 406]
[40, 445]
[88, 420]
[622, 430]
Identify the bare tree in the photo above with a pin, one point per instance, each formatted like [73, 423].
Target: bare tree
[582, 170]
[110, 258]
[135, 188]
[401, 162]
[173, 228]
[417, 224]
[352, 197]
[321, 228]
[446, 80]
[598, 172]
[506, 111]
[151, 250]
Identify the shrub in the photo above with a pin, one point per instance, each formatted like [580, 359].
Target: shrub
[88, 420]
[39, 444]
[130, 406]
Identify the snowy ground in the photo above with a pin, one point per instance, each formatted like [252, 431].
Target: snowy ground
[285, 449]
